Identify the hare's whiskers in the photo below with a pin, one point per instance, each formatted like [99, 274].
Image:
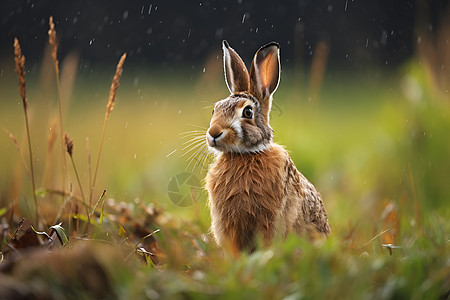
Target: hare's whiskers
[192, 148]
[197, 126]
[206, 156]
[195, 139]
[191, 158]
[192, 143]
[200, 159]
[192, 132]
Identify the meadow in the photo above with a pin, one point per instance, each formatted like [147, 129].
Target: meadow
[375, 144]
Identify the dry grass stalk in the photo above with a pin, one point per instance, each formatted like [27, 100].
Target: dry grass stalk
[53, 43]
[51, 139]
[16, 143]
[88, 149]
[318, 68]
[109, 107]
[69, 148]
[20, 69]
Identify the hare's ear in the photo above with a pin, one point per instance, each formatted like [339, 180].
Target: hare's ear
[265, 75]
[236, 74]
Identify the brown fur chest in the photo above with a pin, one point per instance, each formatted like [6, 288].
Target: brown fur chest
[246, 193]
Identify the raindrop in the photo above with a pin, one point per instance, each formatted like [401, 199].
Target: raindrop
[383, 39]
[125, 15]
[91, 41]
[135, 156]
[346, 5]
[330, 8]
[219, 32]
[243, 18]
[204, 70]
[149, 9]
[367, 42]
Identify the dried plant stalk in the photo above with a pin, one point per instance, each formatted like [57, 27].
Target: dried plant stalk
[69, 148]
[20, 69]
[109, 107]
[53, 43]
[19, 149]
[51, 139]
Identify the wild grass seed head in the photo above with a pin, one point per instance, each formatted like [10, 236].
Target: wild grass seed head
[20, 69]
[53, 43]
[114, 86]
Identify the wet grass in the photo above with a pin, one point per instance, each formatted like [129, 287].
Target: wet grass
[378, 155]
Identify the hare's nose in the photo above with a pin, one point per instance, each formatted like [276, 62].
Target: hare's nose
[216, 136]
[215, 131]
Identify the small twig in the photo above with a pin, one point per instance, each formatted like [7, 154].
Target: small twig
[378, 235]
[19, 227]
[390, 247]
[46, 235]
[135, 248]
[98, 202]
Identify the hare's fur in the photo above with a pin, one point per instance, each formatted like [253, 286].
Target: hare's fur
[254, 187]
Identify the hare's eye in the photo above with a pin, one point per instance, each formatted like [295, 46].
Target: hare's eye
[247, 112]
[212, 113]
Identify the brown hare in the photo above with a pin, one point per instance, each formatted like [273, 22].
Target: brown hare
[254, 187]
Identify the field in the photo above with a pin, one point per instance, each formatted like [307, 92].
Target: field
[376, 145]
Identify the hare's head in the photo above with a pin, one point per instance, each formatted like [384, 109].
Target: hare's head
[240, 123]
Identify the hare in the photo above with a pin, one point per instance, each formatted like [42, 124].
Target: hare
[253, 185]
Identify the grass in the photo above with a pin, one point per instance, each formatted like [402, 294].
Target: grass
[378, 156]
